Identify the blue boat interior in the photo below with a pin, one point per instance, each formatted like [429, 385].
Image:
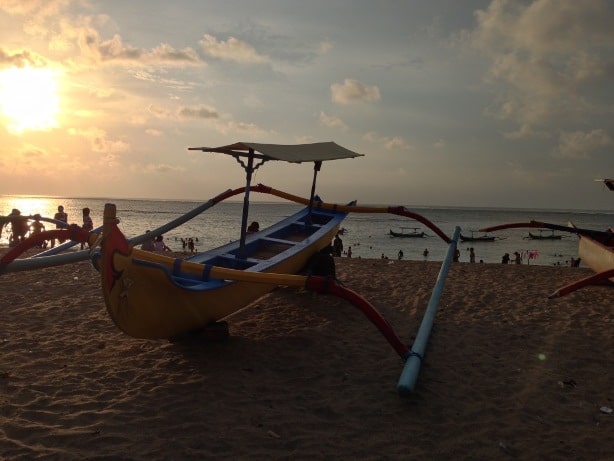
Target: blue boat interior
[264, 249]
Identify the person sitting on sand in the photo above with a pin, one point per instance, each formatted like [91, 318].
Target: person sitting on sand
[253, 227]
[160, 245]
[322, 263]
[148, 245]
[36, 228]
[505, 259]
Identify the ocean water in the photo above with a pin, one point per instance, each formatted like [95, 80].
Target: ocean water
[367, 234]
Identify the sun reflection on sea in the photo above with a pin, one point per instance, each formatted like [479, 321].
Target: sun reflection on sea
[27, 206]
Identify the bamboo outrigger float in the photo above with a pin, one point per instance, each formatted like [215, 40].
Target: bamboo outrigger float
[152, 296]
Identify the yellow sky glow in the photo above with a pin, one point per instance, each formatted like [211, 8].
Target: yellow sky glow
[29, 99]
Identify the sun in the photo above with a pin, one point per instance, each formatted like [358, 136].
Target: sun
[29, 98]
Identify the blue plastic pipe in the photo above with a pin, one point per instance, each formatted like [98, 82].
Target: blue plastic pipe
[409, 375]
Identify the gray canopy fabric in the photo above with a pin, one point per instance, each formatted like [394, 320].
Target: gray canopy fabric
[295, 153]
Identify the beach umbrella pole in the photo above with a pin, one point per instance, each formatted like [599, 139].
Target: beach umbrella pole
[409, 375]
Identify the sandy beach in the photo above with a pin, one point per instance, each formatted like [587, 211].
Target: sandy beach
[508, 373]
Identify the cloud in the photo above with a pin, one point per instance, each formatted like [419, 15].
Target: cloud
[579, 144]
[389, 143]
[396, 143]
[325, 47]
[353, 91]
[243, 129]
[200, 111]
[159, 112]
[115, 51]
[231, 50]
[164, 168]
[546, 58]
[154, 132]
[21, 58]
[34, 7]
[166, 54]
[331, 121]
[99, 142]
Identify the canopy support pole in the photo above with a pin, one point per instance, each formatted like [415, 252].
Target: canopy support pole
[409, 375]
[249, 169]
[316, 167]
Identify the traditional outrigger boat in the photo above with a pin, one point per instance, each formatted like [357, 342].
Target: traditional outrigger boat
[412, 234]
[149, 295]
[541, 236]
[478, 238]
[595, 249]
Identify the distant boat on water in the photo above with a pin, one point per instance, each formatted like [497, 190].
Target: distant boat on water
[405, 234]
[478, 238]
[548, 236]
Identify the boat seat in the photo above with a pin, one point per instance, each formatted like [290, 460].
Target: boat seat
[248, 262]
[276, 240]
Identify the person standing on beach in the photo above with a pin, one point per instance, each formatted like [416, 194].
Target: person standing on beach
[337, 246]
[425, 253]
[88, 224]
[471, 255]
[60, 216]
[400, 254]
[19, 227]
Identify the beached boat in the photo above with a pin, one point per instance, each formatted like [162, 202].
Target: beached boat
[595, 249]
[413, 233]
[149, 295]
[153, 296]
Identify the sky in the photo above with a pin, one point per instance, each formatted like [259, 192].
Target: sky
[485, 103]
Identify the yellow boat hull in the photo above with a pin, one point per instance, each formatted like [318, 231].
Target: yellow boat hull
[144, 301]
